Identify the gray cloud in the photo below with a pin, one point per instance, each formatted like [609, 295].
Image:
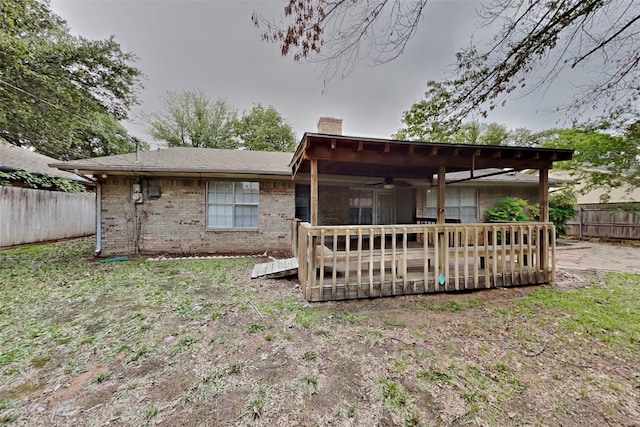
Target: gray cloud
[213, 46]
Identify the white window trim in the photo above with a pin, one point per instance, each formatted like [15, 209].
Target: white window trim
[210, 227]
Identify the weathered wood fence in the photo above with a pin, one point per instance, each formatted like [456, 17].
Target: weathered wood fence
[28, 216]
[345, 262]
[606, 223]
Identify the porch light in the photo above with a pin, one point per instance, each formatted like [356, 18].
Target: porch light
[388, 182]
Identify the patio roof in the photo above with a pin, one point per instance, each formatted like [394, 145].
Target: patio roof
[348, 155]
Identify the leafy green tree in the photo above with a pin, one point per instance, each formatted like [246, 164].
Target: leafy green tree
[424, 120]
[263, 128]
[191, 119]
[102, 135]
[602, 159]
[55, 87]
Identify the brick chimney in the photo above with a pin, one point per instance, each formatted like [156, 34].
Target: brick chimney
[330, 125]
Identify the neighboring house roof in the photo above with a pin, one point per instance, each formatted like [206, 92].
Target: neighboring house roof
[186, 160]
[613, 195]
[14, 158]
[495, 176]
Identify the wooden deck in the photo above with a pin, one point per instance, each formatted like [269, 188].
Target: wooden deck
[371, 261]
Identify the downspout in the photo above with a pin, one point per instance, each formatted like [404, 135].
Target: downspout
[98, 210]
[98, 218]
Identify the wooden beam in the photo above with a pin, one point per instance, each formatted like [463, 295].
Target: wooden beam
[411, 149]
[434, 151]
[359, 147]
[314, 192]
[387, 147]
[369, 157]
[333, 144]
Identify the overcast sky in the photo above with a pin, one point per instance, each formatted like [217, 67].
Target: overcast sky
[212, 45]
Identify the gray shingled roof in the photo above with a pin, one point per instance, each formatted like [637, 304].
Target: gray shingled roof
[15, 158]
[188, 160]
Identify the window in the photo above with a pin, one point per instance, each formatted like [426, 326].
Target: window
[232, 204]
[361, 207]
[460, 203]
[303, 202]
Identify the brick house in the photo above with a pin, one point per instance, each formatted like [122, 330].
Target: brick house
[198, 200]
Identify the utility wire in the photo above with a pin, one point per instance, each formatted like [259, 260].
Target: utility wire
[51, 104]
[44, 101]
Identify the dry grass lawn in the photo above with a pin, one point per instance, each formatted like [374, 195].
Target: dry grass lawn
[199, 343]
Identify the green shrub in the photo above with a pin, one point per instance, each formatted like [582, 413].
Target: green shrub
[562, 207]
[509, 209]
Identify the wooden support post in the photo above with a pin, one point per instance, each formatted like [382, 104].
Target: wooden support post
[544, 216]
[314, 222]
[441, 194]
[314, 192]
[442, 240]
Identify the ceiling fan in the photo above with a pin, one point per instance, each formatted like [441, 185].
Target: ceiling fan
[389, 183]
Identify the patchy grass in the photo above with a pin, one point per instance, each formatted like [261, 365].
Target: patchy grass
[197, 342]
[609, 313]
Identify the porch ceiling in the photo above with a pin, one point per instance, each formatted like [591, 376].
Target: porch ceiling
[345, 155]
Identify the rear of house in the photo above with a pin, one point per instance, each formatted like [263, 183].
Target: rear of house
[186, 201]
[365, 217]
[192, 201]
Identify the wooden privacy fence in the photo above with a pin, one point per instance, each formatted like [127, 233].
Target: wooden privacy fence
[28, 216]
[346, 262]
[606, 222]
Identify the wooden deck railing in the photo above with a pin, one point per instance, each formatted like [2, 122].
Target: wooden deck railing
[346, 262]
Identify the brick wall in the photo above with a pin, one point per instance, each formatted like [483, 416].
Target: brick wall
[176, 222]
[333, 205]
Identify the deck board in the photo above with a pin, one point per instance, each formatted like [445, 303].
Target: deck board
[275, 269]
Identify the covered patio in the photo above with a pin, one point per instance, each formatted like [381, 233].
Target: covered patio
[362, 261]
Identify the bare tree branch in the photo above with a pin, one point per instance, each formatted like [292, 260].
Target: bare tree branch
[535, 41]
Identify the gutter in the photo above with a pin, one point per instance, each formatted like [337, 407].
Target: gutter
[98, 219]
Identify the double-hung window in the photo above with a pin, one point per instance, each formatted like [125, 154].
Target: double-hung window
[460, 203]
[232, 204]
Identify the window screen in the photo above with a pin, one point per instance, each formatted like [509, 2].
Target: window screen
[232, 204]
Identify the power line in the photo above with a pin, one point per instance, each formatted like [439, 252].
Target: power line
[26, 92]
